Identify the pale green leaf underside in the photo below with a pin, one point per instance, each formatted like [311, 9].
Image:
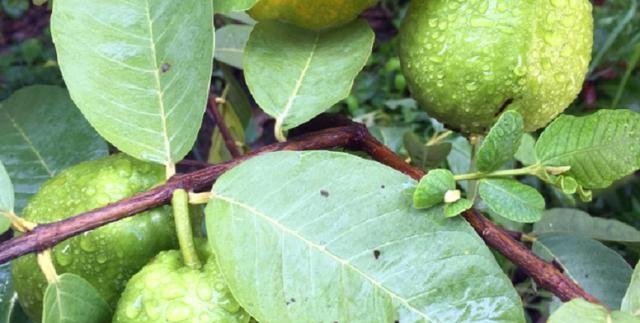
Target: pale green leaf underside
[42, 133]
[230, 43]
[526, 153]
[226, 6]
[501, 143]
[323, 237]
[138, 70]
[631, 300]
[599, 270]
[295, 74]
[71, 300]
[581, 311]
[579, 222]
[600, 148]
[512, 199]
[7, 197]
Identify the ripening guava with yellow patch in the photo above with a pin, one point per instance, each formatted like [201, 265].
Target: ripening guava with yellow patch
[310, 14]
[466, 62]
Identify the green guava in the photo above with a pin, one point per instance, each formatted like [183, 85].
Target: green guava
[106, 257]
[168, 291]
[466, 62]
[310, 14]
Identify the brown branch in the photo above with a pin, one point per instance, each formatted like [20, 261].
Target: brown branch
[47, 235]
[354, 136]
[229, 142]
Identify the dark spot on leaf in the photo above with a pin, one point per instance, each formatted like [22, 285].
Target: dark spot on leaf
[376, 254]
[165, 67]
[287, 303]
[324, 193]
[504, 106]
[293, 300]
[396, 321]
[382, 186]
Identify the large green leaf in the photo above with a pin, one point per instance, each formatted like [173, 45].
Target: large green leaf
[502, 142]
[579, 222]
[138, 70]
[42, 133]
[581, 311]
[71, 300]
[325, 237]
[226, 6]
[511, 199]
[599, 270]
[631, 300]
[295, 74]
[600, 148]
[230, 43]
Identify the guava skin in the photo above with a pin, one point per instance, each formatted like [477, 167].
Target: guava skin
[168, 291]
[108, 256]
[466, 62]
[310, 14]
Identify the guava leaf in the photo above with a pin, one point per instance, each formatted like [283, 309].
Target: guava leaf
[237, 96]
[230, 43]
[42, 133]
[579, 222]
[457, 207]
[71, 300]
[631, 300]
[459, 158]
[7, 196]
[227, 6]
[423, 156]
[335, 238]
[432, 188]
[8, 297]
[502, 142]
[139, 71]
[511, 199]
[526, 153]
[600, 148]
[581, 311]
[295, 74]
[601, 271]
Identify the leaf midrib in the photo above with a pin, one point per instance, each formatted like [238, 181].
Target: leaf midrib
[322, 249]
[298, 85]
[163, 115]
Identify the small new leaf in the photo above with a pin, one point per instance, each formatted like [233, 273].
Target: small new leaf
[600, 148]
[457, 207]
[432, 188]
[502, 142]
[581, 311]
[72, 299]
[512, 199]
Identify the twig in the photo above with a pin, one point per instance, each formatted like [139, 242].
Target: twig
[229, 142]
[354, 136]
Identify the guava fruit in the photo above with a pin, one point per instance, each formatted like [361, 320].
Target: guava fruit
[108, 256]
[168, 291]
[466, 62]
[310, 14]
